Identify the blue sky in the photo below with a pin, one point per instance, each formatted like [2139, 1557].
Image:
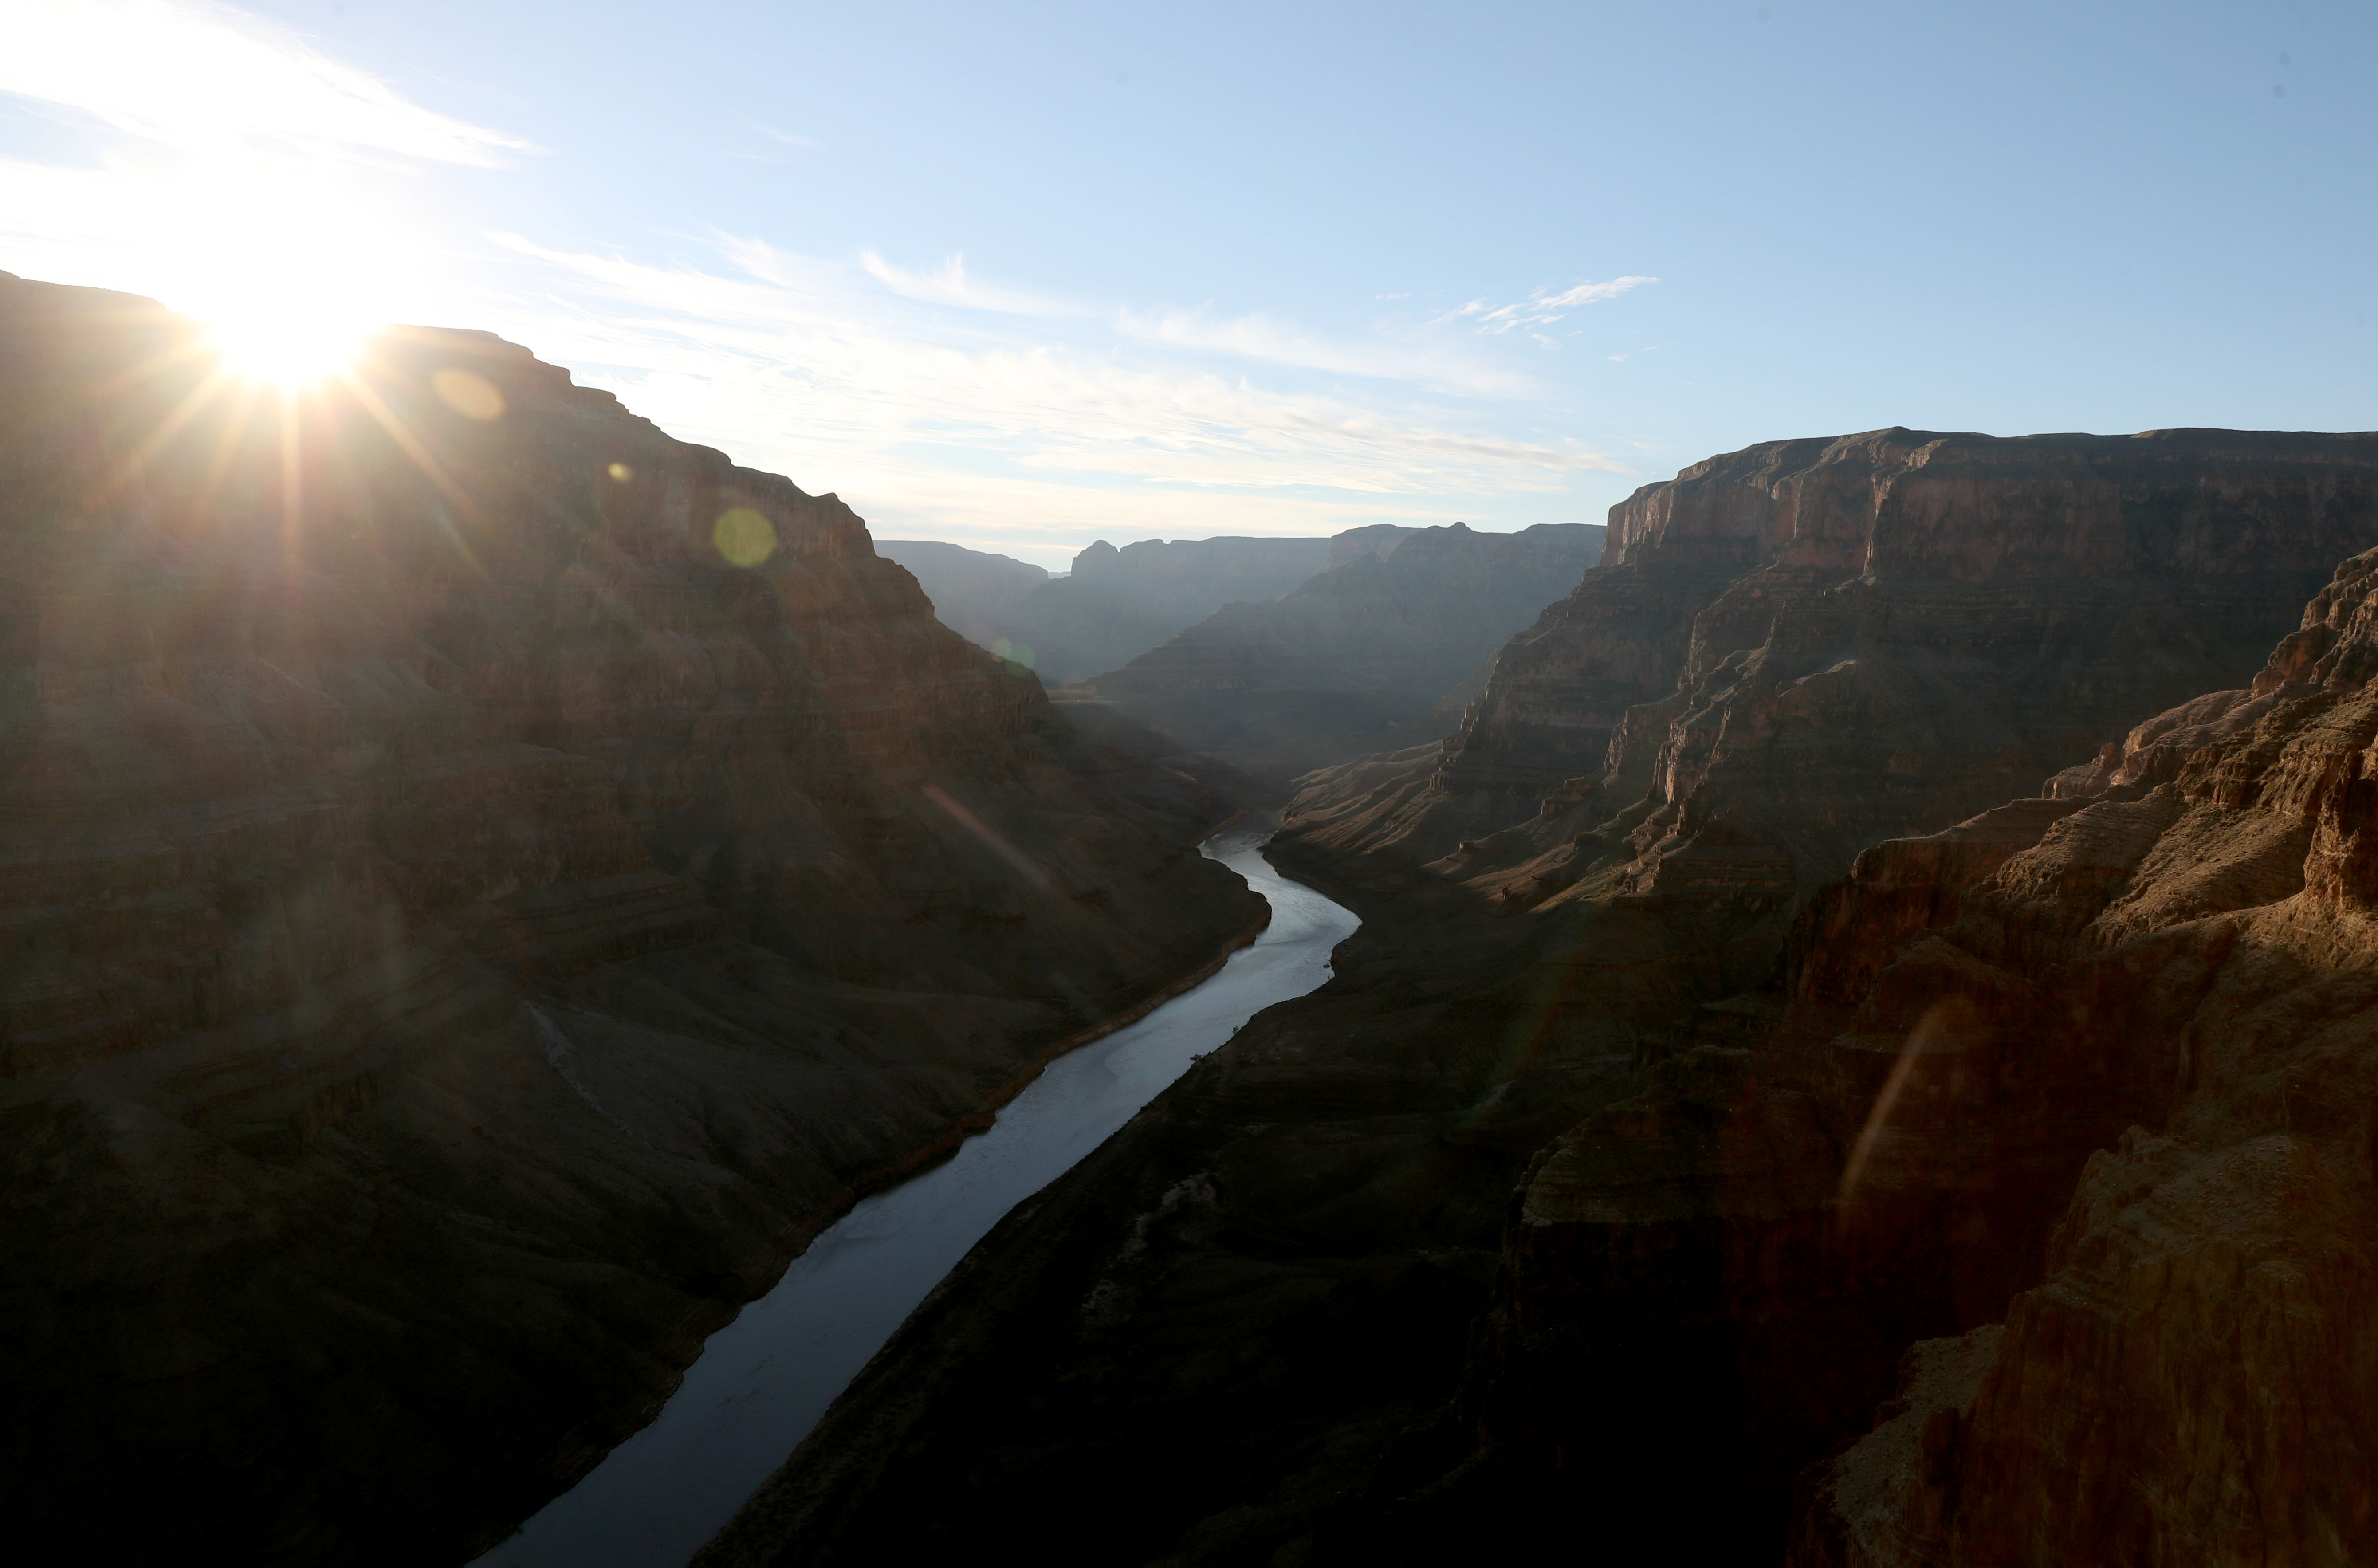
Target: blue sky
[1022, 276]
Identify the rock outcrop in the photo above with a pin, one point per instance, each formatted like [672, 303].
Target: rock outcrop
[970, 589]
[1117, 604]
[1295, 1311]
[481, 884]
[1361, 656]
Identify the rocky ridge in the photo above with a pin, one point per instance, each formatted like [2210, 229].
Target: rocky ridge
[482, 883]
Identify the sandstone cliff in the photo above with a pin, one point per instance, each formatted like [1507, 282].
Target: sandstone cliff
[483, 881]
[1361, 656]
[1295, 1310]
[1118, 604]
[970, 589]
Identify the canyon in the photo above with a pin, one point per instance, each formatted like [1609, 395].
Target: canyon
[1807, 1087]
[1861, 1048]
[485, 883]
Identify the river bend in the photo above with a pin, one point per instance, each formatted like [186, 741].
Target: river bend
[764, 1381]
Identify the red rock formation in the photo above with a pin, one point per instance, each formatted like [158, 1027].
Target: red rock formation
[479, 881]
[2192, 1375]
[2088, 1082]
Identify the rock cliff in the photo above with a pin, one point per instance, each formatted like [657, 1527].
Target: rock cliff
[1118, 604]
[1359, 656]
[1296, 1312]
[1956, 615]
[481, 884]
[970, 589]
[2165, 996]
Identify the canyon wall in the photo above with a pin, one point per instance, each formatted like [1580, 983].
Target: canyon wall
[481, 884]
[1560, 1221]
[2165, 997]
[1954, 616]
[1358, 657]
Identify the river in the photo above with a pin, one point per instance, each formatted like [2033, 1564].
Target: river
[762, 1381]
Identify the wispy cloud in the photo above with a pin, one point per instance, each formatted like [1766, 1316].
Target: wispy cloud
[952, 286]
[178, 70]
[787, 363]
[1541, 308]
[1392, 358]
[790, 138]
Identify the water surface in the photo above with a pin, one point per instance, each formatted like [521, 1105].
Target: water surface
[762, 1381]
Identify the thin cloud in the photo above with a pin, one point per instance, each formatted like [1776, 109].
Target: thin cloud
[1260, 337]
[790, 138]
[952, 286]
[1541, 308]
[178, 70]
[798, 367]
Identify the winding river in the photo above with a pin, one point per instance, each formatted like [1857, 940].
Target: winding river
[762, 1381]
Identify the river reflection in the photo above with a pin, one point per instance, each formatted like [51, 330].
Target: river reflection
[762, 1381]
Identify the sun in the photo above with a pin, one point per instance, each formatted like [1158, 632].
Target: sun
[287, 346]
[285, 271]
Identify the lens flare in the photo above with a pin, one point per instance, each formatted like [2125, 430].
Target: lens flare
[744, 536]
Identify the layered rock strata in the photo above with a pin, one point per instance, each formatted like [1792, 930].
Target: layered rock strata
[2186, 1368]
[1953, 616]
[481, 884]
[1294, 1312]
[1361, 655]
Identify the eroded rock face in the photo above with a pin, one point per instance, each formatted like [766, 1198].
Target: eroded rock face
[481, 882]
[1792, 650]
[1363, 655]
[2192, 1375]
[2073, 1105]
